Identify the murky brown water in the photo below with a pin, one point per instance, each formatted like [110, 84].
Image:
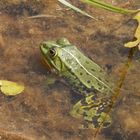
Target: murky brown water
[42, 112]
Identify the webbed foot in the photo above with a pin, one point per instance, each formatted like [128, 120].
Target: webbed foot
[94, 111]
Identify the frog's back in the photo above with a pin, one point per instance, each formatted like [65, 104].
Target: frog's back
[87, 73]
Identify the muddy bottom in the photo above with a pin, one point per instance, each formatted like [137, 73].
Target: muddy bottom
[41, 112]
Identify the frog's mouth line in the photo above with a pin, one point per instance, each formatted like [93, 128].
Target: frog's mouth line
[46, 64]
[44, 61]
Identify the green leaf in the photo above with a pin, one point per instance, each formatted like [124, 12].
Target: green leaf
[103, 5]
[10, 88]
[135, 43]
[75, 8]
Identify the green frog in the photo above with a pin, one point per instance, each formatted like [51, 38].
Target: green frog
[84, 77]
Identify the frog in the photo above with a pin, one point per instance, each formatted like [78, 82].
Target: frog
[85, 77]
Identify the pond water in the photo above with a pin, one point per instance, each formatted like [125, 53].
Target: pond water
[42, 111]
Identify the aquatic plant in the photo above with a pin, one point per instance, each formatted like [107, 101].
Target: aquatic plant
[9, 88]
[100, 4]
[136, 35]
[75, 8]
[103, 5]
[111, 8]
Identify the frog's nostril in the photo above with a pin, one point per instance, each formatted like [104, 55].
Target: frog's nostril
[42, 47]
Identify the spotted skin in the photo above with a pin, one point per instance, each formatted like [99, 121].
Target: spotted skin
[94, 110]
[84, 77]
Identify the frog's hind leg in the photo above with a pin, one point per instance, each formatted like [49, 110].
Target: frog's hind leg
[94, 112]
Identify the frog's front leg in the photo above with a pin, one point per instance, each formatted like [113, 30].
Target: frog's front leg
[94, 112]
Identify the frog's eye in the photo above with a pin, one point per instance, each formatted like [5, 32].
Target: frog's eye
[52, 52]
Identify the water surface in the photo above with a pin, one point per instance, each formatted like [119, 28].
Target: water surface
[42, 111]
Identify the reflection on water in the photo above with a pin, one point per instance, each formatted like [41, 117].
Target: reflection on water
[42, 111]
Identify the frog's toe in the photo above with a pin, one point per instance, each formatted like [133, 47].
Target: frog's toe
[96, 121]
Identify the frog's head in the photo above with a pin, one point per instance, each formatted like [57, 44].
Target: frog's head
[50, 51]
